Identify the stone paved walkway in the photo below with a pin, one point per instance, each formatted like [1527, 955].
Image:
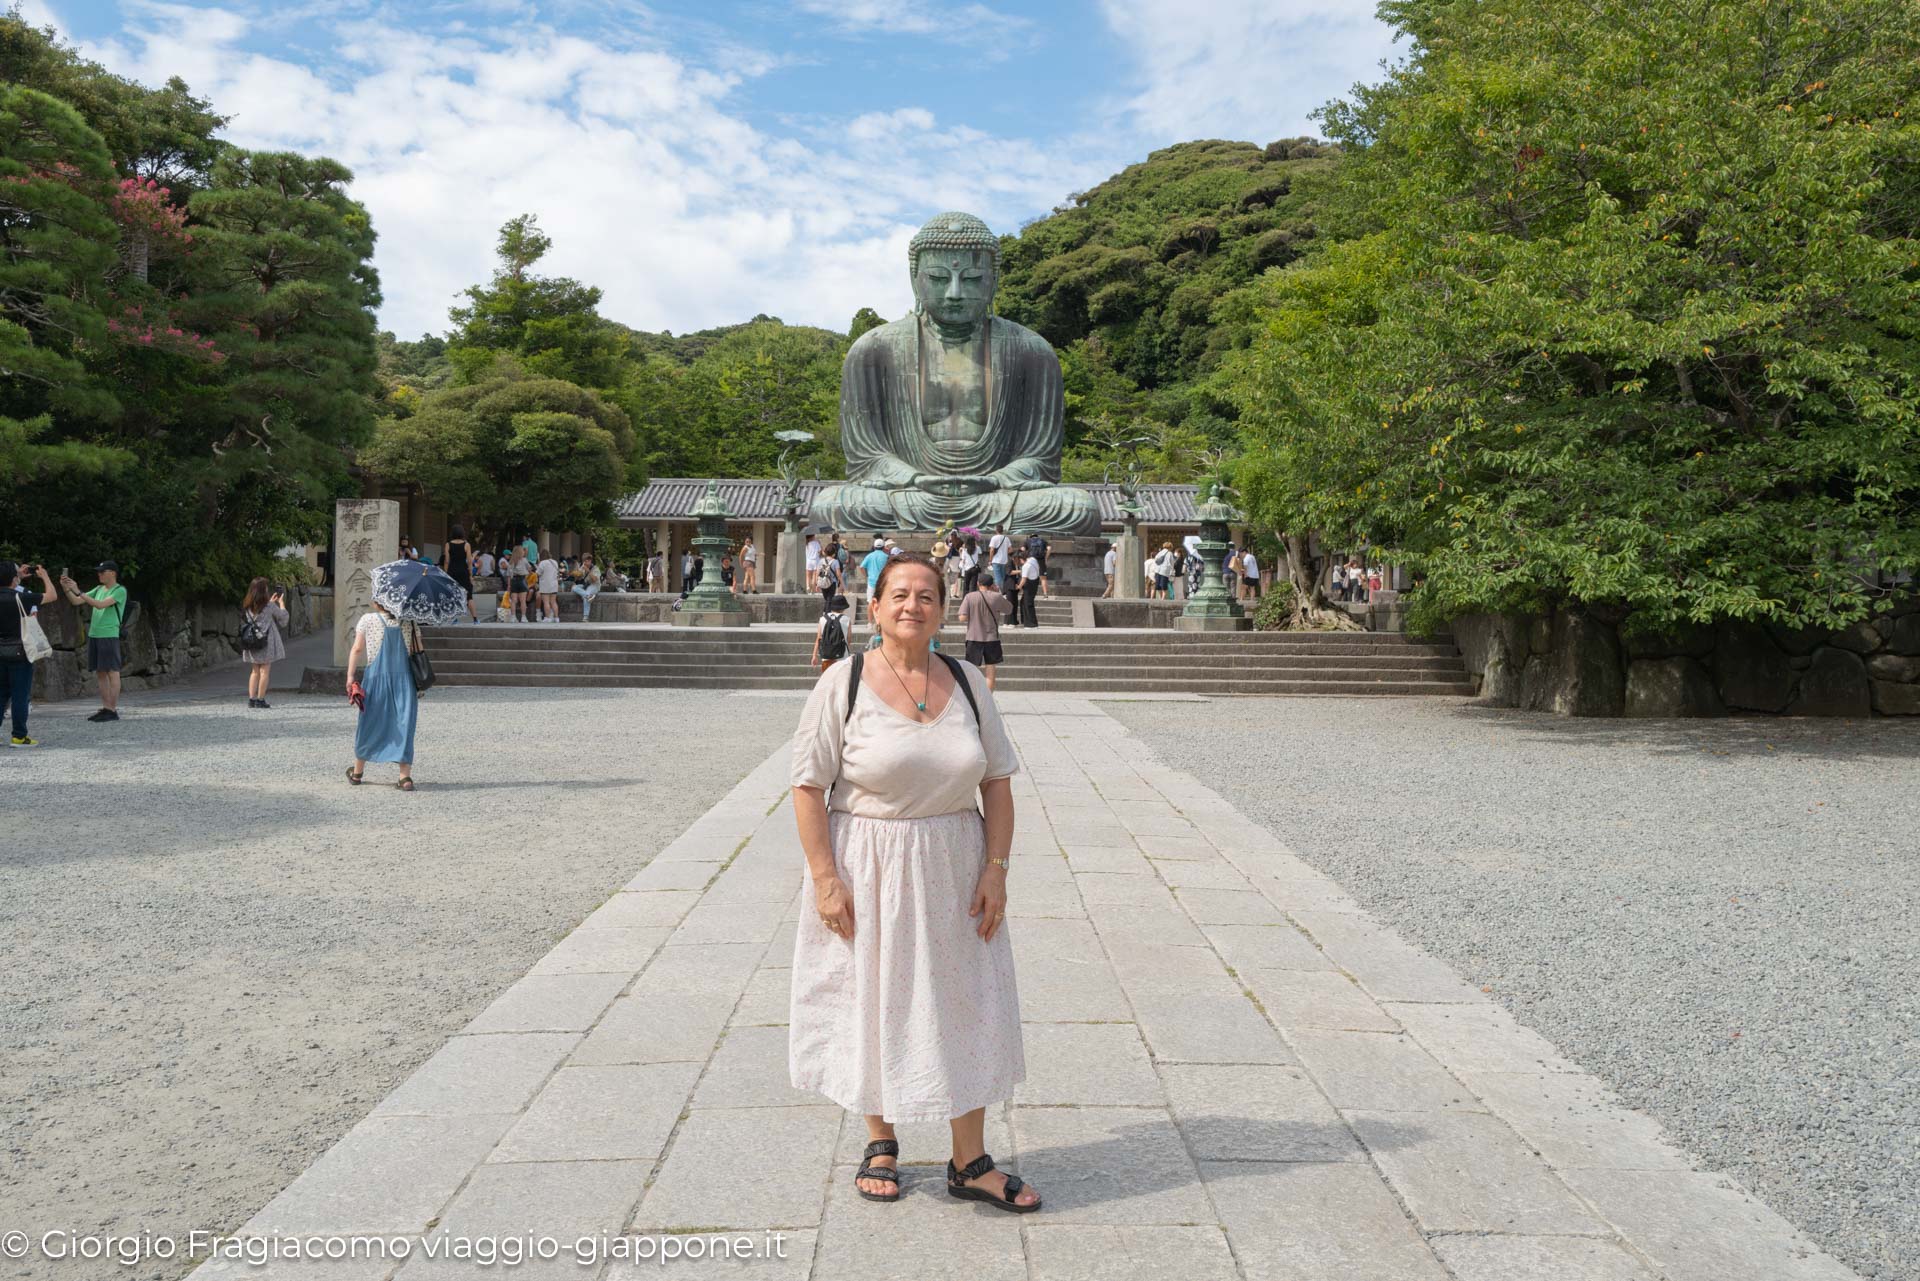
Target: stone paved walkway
[1232, 1072]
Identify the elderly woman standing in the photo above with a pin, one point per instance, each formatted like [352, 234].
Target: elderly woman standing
[904, 1006]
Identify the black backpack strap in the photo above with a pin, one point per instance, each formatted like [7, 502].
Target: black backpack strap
[960, 679]
[853, 680]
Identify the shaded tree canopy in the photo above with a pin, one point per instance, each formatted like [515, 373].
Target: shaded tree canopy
[520, 452]
[186, 326]
[1617, 306]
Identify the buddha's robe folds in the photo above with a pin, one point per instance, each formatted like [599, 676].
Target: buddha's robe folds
[886, 441]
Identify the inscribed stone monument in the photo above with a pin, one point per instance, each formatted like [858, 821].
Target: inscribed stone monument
[366, 532]
[953, 416]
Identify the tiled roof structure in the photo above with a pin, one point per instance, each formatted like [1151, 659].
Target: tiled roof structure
[671, 498]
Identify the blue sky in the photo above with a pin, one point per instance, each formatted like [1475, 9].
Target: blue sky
[705, 161]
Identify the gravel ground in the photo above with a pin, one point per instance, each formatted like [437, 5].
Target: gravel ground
[1716, 917]
[219, 955]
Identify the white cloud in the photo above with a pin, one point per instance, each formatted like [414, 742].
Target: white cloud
[1245, 68]
[649, 179]
[970, 22]
[38, 13]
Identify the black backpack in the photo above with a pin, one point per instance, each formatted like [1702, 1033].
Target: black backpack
[833, 639]
[253, 634]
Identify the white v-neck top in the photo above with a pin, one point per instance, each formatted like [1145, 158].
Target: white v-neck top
[891, 767]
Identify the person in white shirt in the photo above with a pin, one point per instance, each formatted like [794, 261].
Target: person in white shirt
[969, 566]
[1110, 563]
[749, 567]
[1250, 573]
[997, 548]
[484, 565]
[813, 562]
[547, 574]
[1029, 589]
[1163, 572]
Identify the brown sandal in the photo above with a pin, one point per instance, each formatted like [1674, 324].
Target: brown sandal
[354, 778]
[405, 785]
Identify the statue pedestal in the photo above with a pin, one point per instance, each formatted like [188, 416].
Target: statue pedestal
[690, 616]
[790, 559]
[1129, 568]
[1212, 623]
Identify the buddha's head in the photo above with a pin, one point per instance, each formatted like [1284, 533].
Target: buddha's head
[955, 264]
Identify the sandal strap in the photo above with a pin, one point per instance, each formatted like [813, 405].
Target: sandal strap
[884, 1147]
[877, 1172]
[975, 1168]
[1013, 1187]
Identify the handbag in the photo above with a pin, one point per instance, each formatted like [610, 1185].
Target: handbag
[418, 663]
[33, 644]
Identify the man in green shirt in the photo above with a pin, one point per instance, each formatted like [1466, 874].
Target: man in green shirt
[108, 602]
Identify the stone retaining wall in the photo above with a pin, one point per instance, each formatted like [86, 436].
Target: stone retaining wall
[1574, 664]
[161, 643]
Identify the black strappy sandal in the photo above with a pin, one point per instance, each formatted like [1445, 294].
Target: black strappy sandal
[956, 1180]
[868, 1170]
[353, 777]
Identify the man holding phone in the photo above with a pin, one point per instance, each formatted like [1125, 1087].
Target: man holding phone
[108, 602]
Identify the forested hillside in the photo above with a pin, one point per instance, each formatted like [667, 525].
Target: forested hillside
[1123, 279]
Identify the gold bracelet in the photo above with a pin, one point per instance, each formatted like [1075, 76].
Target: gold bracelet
[1002, 863]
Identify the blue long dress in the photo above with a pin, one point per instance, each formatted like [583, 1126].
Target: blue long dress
[385, 732]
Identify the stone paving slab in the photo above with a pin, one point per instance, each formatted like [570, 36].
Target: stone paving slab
[743, 1168]
[1233, 1072]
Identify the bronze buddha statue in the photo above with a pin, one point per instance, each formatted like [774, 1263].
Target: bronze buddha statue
[953, 416]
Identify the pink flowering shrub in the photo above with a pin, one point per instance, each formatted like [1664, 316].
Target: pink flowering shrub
[142, 204]
[135, 329]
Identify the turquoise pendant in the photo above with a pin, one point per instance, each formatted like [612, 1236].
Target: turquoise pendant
[921, 706]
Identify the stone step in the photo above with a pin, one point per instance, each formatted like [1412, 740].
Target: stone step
[1079, 640]
[1009, 682]
[1104, 673]
[1015, 655]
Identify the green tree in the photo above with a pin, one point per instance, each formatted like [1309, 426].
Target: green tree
[56, 246]
[864, 319]
[1623, 312]
[1124, 280]
[717, 415]
[165, 134]
[209, 329]
[550, 326]
[522, 453]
